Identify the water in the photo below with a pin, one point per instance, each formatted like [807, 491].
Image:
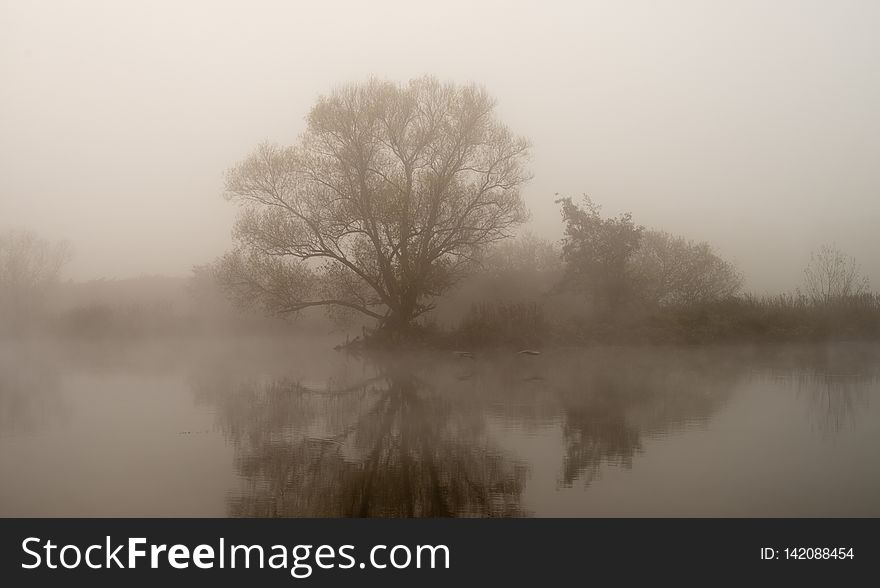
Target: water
[286, 427]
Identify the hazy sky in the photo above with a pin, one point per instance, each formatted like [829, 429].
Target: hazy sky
[754, 125]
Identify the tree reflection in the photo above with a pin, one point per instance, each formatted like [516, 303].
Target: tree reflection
[415, 438]
[29, 393]
[594, 434]
[835, 382]
[611, 402]
[387, 447]
[833, 400]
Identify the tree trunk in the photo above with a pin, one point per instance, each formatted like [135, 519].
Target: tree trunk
[399, 321]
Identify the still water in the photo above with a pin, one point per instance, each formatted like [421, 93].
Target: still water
[285, 427]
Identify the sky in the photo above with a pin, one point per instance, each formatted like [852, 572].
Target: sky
[753, 125]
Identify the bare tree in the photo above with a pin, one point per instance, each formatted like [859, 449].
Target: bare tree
[384, 203]
[831, 275]
[672, 270]
[29, 265]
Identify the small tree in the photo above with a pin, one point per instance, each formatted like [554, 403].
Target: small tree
[672, 270]
[831, 275]
[385, 202]
[596, 251]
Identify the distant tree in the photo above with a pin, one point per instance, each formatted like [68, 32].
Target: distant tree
[596, 252]
[672, 270]
[386, 201]
[29, 266]
[831, 275]
[527, 253]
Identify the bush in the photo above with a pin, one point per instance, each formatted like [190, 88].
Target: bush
[498, 323]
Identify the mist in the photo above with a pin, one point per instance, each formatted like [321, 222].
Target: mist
[750, 125]
[396, 259]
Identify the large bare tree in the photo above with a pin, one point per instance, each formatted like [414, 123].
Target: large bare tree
[384, 203]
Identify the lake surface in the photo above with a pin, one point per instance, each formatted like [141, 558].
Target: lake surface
[289, 427]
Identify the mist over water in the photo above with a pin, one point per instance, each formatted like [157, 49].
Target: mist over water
[269, 426]
[495, 259]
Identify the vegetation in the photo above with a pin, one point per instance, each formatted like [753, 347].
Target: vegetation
[29, 267]
[519, 300]
[493, 324]
[597, 252]
[635, 285]
[397, 206]
[740, 319]
[387, 200]
[832, 277]
[669, 270]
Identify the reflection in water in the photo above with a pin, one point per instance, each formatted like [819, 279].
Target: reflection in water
[834, 382]
[597, 432]
[609, 407]
[412, 440]
[290, 429]
[29, 396]
[387, 447]
[833, 400]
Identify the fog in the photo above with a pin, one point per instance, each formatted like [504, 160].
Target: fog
[415, 312]
[752, 125]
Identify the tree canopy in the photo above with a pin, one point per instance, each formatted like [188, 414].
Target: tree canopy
[667, 269]
[596, 251]
[385, 201]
